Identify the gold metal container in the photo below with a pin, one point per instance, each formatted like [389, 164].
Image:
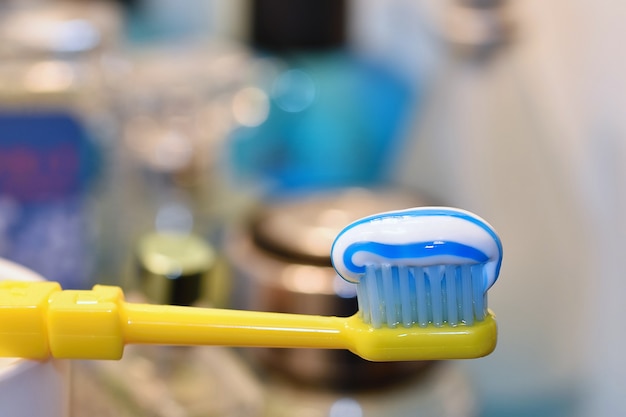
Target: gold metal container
[280, 262]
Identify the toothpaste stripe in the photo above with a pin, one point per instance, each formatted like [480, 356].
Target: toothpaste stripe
[411, 251]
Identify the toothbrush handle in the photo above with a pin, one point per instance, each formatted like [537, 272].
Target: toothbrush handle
[175, 325]
[40, 320]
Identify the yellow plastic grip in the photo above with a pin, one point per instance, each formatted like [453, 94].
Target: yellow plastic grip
[87, 324]
[23, 313]
[38, 320]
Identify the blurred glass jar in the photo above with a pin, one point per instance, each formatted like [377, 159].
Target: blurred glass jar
[176, 110]
[280, 262]
[57, 137]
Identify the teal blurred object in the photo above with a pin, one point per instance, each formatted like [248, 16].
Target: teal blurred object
[333, 118]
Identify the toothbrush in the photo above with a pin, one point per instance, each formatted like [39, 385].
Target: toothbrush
[421, 276]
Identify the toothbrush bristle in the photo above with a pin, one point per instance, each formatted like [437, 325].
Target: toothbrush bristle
[438, 295]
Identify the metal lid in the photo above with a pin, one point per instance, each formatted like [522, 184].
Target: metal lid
[173, 267]
[303, 229]
[282, 263]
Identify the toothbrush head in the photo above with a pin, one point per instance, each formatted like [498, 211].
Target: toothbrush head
[424, 266]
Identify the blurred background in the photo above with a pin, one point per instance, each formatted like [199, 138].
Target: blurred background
[249, 132]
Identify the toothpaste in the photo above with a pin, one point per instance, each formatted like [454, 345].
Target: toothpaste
[417, 237]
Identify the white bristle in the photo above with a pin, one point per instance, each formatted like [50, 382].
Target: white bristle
[452, 304]
[421, 297]
[407, 303]
[440, 295]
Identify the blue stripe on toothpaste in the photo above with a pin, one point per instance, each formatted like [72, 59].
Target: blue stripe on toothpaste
[419, 250]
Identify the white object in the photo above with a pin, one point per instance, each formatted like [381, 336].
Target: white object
[31, 388]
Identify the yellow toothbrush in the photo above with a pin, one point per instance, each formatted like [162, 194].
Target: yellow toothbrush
[421, 277]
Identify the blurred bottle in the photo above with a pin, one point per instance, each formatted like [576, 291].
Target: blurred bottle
[315, 115]
[56, 139]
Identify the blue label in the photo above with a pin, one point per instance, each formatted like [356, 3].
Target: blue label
[47, 163]
[44, 156]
